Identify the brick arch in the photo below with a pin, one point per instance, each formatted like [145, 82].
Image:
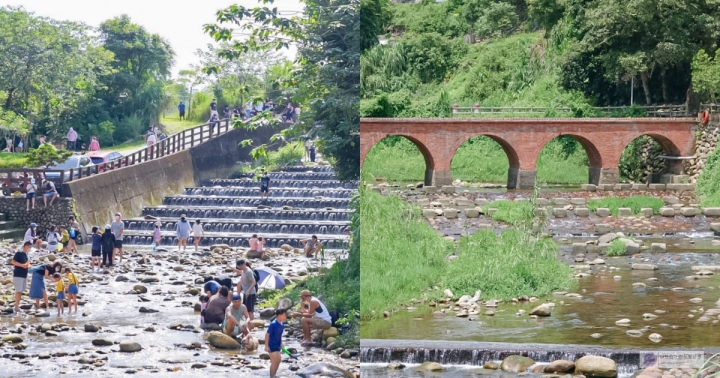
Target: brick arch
[427, 155]
[595, 157]
[507, 147]
[669, 147]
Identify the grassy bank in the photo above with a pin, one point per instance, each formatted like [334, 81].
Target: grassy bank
[480, 159]
[635, 203]
[12, 160]
[402, 256]
[708, 183]
[289, 154]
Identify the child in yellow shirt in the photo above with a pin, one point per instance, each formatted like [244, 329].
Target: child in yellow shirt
[73, 283]
[60, 292]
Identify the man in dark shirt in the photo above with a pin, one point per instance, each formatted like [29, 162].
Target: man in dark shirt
[265, 185]
[181, 109]
[20, 273]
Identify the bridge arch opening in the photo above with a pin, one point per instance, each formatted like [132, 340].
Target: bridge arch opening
[399, 158]
[568, 160]
[484, 159]
[640, 161]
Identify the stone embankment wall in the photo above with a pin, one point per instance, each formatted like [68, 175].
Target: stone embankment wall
[57, 214]
[127, 190]
[705, 144]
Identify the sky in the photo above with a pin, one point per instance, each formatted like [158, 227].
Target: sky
[180, 22]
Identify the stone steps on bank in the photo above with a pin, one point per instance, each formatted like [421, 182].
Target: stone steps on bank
[247, 201]
[194, 212]
[274, 191]
[249, 226]
[293, 184]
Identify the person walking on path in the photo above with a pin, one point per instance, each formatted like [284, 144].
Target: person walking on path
[213, 107]
[37, 282]
[30, 194]
[314, 315]
[94, 144]
[181, 110]
[265, 185]
[248, 109]
[21, 262]
[246, 286]
[118, 227]
[183, 230]
[311, 246]
[198, 233]
[108, 245]
[72, 136]
[32, 236]
[273, 340]
[74, 233]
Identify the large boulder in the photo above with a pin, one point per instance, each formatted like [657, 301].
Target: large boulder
[322, 369]
[430, 366]
[140, 289]
[130, 346]
[542, 310]
[516, 364]
[253, 254]
[560, 366]
[222, 341]
[596, 366]
[330, 332]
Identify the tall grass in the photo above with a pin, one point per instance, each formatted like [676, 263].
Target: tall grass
[400, 255]
[708, 183]
[289, 154]
[508, 265]
[511, 212]
[635, 203]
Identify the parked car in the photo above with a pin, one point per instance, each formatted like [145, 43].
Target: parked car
[99, 157]
[73, 162]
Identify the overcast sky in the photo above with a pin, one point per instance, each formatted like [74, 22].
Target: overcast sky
[180, 22]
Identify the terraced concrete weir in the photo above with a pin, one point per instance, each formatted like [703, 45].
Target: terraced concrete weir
[303, 202]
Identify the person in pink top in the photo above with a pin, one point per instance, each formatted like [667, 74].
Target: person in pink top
[72, 139]
[261, 246]
[94, 144]
[253, 243]
[156, 235]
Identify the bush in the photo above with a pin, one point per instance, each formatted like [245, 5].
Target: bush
[432, 56]
[708, 183]
[511, 212]
[498, 20]
[617, 248]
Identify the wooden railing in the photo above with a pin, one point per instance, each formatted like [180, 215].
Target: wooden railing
[484, 111]
[12, 180]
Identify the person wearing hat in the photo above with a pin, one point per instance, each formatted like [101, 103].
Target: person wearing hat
[236, 316]
[314, 315]
[32, 236]
[183, 232]
[108, 244]
[30, 194]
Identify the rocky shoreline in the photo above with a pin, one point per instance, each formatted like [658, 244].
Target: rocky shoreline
[142, 318]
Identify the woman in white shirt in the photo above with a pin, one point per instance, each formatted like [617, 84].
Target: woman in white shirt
[30, 194]
[151, 139]
[198, 233]
[53, 238]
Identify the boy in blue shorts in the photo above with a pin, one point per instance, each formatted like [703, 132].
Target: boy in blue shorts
[57, 277]
[73, 283]
[273, 340]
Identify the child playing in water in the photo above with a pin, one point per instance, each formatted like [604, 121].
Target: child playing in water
[204, 299]
[273, 340]
[156, 235]
[72, 289]
[60, 292]
[95, 249]
[198, 233]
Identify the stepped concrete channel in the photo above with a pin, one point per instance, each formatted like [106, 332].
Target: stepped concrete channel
[303, 202]
[151, 298]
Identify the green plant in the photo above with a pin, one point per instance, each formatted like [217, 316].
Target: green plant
[708, 183]
[46, 154]
[617, 248]
[512, 212]
[635, 203]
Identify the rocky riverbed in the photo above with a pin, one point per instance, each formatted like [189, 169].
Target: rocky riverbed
[143, 317]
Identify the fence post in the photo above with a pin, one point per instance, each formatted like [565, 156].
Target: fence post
[455, 109]
[477, 108]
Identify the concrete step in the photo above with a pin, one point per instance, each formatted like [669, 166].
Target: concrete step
[249, 226]
[8, 225]
[194, 212]
[295, 184]
[16, 235]
[245, 201]
[235, 239]
[274, 192]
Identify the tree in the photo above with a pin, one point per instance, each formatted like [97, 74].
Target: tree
[328, 41]
[373, 16]
[46, 154]
[706, 75]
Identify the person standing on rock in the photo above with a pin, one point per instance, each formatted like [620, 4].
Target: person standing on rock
[96, 248]
[53, 239]
[265, 185]
[236, 316]
[21, 262]
[198, 233]
[64, 237]
[246, 286]
[37, 283]
[273, 340]
[31, 236]
[215, 310]
[108, 245]
[183, 230]
[118, 227]
[74, 232]
[30, 194]
[314, 315]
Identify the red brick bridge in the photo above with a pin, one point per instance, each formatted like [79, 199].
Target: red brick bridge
[604, 140]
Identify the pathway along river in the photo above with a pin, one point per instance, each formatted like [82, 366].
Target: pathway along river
[583, 318]
[170, 338]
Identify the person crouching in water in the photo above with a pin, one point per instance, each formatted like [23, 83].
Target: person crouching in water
[73, 284]
[108, 243]
[57, 277]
